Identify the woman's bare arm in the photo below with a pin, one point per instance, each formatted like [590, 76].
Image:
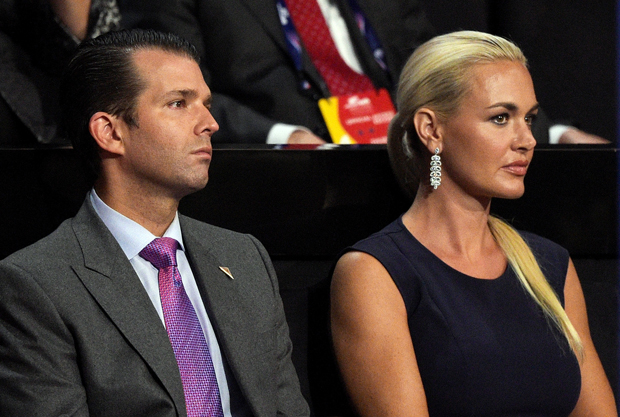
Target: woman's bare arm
[372, 340]
[596, 398]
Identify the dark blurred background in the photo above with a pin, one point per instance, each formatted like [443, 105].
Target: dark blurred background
[570, 45]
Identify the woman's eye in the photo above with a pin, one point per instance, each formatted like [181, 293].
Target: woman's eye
[500, 119]
[529, 119]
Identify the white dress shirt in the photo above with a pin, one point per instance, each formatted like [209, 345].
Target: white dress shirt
[132, 238]
[340, 34]
[280, 132]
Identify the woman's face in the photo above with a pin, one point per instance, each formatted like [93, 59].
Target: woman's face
[488, 143]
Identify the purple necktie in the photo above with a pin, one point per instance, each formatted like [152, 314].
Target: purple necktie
[202, 395]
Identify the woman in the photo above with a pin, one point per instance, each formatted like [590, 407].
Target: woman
[448, 310]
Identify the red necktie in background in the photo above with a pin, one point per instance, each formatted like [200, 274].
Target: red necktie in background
[317, 40]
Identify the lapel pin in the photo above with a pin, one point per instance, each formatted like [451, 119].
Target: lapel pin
[225, 270]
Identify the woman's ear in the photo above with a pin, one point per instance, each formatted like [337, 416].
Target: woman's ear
[107, 131]
[426, 125]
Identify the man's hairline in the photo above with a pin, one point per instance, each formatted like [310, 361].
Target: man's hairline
[141, 79]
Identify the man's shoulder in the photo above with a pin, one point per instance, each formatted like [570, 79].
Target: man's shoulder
[218, 240]
[47, 254]
[229, 248]
[51, 243]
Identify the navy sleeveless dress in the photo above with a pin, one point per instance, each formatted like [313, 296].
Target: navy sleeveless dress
[484, 348]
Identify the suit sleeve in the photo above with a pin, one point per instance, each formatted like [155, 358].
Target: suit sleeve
[39, 374]
[289, 397]
[238, 122]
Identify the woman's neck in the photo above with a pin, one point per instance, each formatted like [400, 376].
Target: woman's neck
[454, 227]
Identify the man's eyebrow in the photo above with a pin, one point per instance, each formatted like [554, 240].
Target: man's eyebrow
[183, 93]
[189, 94]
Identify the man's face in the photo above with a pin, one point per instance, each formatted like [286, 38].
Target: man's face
[169, 153]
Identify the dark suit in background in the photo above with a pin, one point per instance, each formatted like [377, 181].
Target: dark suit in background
[245, 56]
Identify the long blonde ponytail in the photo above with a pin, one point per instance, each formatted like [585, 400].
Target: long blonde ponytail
[523, 262]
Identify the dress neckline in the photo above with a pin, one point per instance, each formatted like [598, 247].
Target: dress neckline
[430, 254]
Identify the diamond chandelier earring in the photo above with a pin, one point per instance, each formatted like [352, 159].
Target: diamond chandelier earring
[436, 169]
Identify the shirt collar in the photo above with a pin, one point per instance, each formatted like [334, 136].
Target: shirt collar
[131, 236]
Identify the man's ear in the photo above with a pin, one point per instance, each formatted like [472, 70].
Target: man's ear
[428, 129]
[107, 130]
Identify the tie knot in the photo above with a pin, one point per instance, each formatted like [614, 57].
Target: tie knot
[161, 252]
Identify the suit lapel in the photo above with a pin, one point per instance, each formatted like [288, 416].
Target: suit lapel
[27, 89]
[224, 304]
[111, 280]
[268, 18]
[364, 53]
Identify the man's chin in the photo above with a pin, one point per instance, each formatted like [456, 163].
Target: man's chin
[192, 188]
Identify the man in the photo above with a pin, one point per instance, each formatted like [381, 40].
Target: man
[98, 318]
[247, 58]
[248, 61]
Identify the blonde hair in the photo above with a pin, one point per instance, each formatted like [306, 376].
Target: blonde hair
[523, 263]
[437, 76]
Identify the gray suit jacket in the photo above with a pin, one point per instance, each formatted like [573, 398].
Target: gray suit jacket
[79, 335]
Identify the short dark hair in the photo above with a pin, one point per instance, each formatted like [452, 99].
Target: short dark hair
[102, 77]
